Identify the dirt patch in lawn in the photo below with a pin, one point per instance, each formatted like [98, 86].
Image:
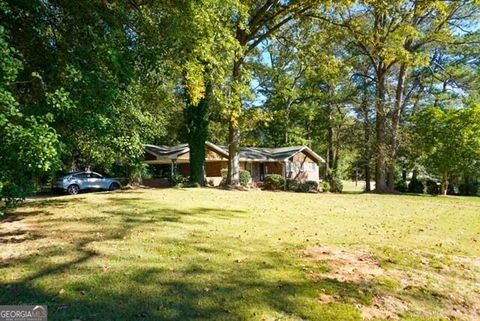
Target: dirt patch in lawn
[345, 266]
[448, 293]
[384, 307]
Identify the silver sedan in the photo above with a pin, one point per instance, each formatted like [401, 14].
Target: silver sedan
[75, 182]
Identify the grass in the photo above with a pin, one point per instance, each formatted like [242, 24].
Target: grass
[206, 254]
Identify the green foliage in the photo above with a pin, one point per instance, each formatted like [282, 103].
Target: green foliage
[178, 180]
[274, 182]
[401, 186]
[245, 177]
[29, 147]
[469, 188]
[336, 185]
[292, 185]
[325, 186]
[432, 187]
[224, 173]
[308, 187]
[416, 186]
[303, 187]
[449, 139]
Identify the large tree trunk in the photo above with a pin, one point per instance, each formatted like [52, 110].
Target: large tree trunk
[233, 175]
[197, 128]
[380, 127]
[444, 184]
[330, 165]
[367, 155]
[396, 117]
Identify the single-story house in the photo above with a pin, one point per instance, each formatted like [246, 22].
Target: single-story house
[297, 162]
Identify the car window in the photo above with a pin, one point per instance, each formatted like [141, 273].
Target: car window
[93, 175]
[81, 175]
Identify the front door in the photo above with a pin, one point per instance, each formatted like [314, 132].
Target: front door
[262, 171]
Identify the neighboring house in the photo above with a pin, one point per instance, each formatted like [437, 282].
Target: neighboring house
[298, 162]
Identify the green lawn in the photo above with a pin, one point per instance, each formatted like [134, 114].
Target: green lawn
[183, 254]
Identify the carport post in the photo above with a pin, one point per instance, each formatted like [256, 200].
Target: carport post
[172, 168]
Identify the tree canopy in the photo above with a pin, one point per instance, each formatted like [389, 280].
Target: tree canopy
[370, 85]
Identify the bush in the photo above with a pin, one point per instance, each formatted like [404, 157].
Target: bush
[245, 177]
[308, 187]
[325, 186]
[178, 180]
[469, 189]
[336, 185]
[224, 173]
[274, 182]
[432, 187]
[292, 185]
[401, 186]
[12, 195]
[416, 186]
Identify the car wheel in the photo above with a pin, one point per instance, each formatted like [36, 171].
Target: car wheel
[73, 189]
[114, 186]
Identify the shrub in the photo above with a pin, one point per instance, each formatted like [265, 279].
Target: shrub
[469, 188]
[224, 173]
[325, 186]
[12, 195]
[401, 186]
[308, 187]
[178, 180]
[292, 185]
[336, 185]
[416, 186]
[245, 177]
[432, 187]
[274, 182]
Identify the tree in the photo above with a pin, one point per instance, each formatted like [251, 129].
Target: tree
[450, 141]
[29, 147]
[391, 35]
[254, 23]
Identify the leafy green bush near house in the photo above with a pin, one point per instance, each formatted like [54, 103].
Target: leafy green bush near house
[325, 186]
[401, 186]
[432, 187]
[274, 182]
[336, 185]
[292, 185]
[303, 187]
[178, 180]
[308, 187]
[416, 186]
[245, 176]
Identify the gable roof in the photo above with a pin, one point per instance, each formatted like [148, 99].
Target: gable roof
[274, 154]
[164, 151]
[246, 153]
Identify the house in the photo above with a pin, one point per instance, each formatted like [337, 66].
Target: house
[298, 162]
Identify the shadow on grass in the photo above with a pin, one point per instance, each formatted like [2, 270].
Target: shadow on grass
[92, 270]
[233, 291]
[88, 268]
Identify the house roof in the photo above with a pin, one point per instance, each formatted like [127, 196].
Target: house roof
[164, 151]
[246, 153]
